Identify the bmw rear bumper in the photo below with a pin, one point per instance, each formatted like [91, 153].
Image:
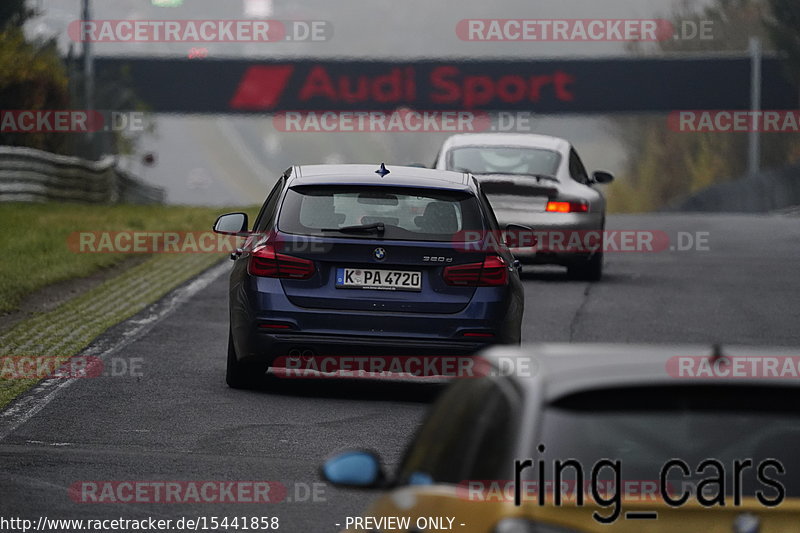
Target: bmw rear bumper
[277, 345]
[336, 332]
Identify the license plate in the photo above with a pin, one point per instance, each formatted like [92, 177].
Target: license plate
[387, 280]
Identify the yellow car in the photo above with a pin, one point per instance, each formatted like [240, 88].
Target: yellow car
[620, 438]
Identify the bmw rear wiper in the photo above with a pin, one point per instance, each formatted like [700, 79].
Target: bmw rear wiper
[378, 227]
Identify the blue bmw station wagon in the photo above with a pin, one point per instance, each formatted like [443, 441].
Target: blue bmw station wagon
[366, 260]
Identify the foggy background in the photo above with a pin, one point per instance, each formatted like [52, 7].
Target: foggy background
[233, 160]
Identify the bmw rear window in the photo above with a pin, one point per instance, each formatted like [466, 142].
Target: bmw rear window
[404, 213]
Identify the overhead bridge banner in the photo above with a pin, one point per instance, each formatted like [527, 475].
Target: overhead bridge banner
[542, 86]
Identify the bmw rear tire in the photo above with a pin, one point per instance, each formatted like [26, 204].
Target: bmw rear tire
[590, 270]
[242, 375]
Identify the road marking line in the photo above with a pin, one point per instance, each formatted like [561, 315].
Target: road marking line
[30, 403]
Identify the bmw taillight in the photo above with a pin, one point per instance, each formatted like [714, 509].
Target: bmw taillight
[265, 262]
[567, 207]
[492, 272]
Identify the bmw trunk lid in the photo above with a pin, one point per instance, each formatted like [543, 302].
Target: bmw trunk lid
[372, 275]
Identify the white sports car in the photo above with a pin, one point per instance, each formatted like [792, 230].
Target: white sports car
[538, 181]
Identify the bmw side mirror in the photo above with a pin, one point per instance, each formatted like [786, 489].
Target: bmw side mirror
[231, 224]
[354, 469]
[519, 236]
[601, 176]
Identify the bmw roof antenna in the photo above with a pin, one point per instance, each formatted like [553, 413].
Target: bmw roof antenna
[382, 171]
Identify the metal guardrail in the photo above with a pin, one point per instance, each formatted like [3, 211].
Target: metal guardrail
[30, 175]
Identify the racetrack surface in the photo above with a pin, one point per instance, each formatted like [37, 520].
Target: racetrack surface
[180, 422]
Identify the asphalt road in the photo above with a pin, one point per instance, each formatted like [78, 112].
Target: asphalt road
[179, 421]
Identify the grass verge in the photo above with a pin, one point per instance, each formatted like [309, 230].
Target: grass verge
[33, 240]
[36, 254]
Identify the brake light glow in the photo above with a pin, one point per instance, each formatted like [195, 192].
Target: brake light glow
[567, 207]
[492, 272]
[266, 263]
